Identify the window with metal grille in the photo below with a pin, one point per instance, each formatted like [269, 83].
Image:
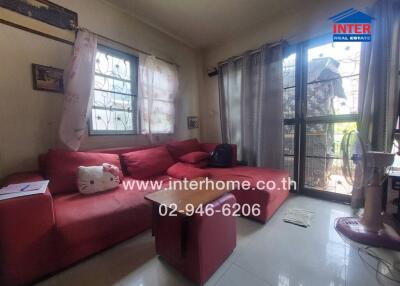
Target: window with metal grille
[114, 108]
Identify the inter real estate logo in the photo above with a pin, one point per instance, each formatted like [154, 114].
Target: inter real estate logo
[351, 26]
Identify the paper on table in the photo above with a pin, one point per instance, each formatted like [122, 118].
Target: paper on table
[23, 189]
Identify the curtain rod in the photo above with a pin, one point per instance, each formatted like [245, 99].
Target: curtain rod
[251, 52]
[124, 45]
[55, 38]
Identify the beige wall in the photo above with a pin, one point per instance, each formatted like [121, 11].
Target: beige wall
[29, 119]
[293, 26]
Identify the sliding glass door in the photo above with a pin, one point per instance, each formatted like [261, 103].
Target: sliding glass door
[321, 104]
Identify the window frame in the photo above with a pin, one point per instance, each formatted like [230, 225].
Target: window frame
[293, 121]
[134, 65]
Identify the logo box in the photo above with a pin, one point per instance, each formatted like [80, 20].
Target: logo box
[351, 26]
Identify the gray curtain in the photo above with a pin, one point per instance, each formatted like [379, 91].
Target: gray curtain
[230, 89]
[379, 81]
[251, 104]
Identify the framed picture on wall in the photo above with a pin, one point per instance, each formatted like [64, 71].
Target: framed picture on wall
[47, 78]
[44, 11]
[193, 122]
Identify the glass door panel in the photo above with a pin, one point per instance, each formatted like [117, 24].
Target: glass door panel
[323, 165]
[332, 82]
[331, 110]
[288, 148]
[289, 86]
[320, 82]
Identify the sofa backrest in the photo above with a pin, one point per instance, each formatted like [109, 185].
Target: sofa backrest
[180, 148]
[61, 167]
[121, 150]
[147, 163]
[174, 147]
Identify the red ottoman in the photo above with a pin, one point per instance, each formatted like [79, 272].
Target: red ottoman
[197, 245]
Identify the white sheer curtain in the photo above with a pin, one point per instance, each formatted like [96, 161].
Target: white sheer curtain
[78, 90]
[158, 86]
[251, 104]
[379, 81]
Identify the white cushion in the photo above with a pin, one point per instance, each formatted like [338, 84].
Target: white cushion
[97, 179]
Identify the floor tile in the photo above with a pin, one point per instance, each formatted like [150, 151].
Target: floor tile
[236, 276]
[285, 252]
[358, 272]
[271, 254]
[220, 272]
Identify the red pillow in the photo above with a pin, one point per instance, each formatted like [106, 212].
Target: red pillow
[184, 171]
[194, 157]
[61, 167]
[179, 148]
[147, 163]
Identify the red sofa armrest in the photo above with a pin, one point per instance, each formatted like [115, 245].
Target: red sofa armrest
[26, 240]
[209, 147]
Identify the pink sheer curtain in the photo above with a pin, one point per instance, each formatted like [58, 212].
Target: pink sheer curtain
[158, 86]
[78, 90]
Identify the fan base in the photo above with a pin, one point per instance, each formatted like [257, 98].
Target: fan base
[352, 228]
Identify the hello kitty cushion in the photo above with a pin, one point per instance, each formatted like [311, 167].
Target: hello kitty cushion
[97, 178]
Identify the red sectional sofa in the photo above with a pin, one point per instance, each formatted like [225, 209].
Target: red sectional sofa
[42, 234]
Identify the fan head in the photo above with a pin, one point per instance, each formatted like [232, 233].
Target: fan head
[353, 151]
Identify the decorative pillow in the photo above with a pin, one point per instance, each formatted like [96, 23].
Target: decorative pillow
[185, 171]
[144, 164]
[97, 178]
[61, 167]
[179, 148]
[194, 157]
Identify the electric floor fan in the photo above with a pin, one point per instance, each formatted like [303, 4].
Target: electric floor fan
[366, 169]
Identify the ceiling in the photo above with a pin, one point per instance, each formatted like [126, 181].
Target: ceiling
[204, 23]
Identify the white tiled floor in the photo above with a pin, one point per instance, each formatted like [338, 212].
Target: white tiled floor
[277, 253]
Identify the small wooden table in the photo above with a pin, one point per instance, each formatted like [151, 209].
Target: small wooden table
[182, 236]
[181, 197]
[202, 195]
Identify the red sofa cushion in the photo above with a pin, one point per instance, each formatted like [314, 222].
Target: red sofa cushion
[147, 163]
[87, 224]
[252, 174]
[61, 167]
[185, 171]
[268, 199]
[194, 157]
[180, 148]
[201, 164]
[122, 150]
[84, 218]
